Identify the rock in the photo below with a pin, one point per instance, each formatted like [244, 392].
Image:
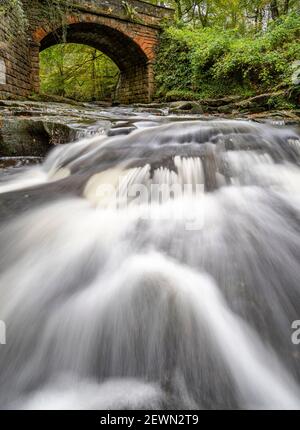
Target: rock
[260, 102]
[214, 103]
[120, 131]
[159, 105]
[185, 107]
[290, 117]
[19, 137]
[27, 137]
[33, 128]
[53, 99]
[226, 109]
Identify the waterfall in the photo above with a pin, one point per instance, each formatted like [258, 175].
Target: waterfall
[158, 269]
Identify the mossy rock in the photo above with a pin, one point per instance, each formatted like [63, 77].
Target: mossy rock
[186, 107]
[27, 137]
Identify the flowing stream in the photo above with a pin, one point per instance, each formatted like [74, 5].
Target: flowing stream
[155, 265]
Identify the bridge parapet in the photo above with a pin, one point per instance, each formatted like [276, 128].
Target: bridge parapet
[129, 10]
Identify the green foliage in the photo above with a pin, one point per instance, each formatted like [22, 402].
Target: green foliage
[78, 72]
[130, 11]
[230, 14]
[279, 102]
[216, 48]
[15, 7]
[174, 95]
[213, 63]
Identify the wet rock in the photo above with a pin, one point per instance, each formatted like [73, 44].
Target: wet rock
[29, 137]
[261, 101]
[155, 111]
[33, 128]
[212, 104]
[186, 107]
[158, 105]
[255, 104]
[59, 133]
[120, 131]
[7, 163]
[22, 138]
[290, 117]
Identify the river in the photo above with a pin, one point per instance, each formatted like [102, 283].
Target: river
[154, 264]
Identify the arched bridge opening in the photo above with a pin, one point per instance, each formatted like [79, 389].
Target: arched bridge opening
[134, 65]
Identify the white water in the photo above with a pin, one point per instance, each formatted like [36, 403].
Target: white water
[181, 302]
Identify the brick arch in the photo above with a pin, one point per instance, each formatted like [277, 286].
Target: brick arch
[130, 41]
[131, 47]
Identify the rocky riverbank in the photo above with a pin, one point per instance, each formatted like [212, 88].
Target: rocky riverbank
[257, 108]
[31, 128]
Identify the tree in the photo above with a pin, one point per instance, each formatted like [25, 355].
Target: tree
[241, 14]
[77, 71]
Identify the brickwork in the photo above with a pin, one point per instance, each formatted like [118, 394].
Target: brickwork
[130, 41]
[14, 54]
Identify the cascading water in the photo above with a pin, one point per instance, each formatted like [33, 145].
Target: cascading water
[118, 294]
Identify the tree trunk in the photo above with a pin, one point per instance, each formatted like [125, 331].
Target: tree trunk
[257, 19]
[286, 6]
[274, 9]
[178, 9]
[94, 87]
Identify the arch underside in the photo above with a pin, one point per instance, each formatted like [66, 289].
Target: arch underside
[126, 54]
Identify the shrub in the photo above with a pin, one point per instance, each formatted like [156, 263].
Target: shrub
[211, 62]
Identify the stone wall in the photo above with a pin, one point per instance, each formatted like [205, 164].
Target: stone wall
[130, 39]
[14, 57]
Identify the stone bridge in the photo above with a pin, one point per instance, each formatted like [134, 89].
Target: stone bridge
[126, 31]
